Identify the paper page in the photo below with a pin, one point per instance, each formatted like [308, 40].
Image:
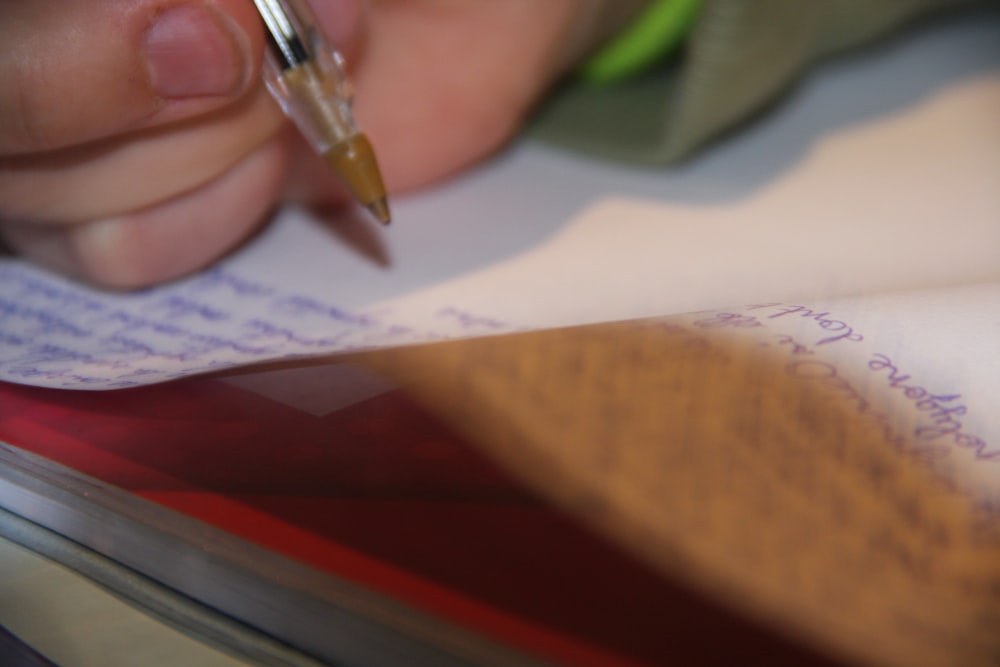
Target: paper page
[918, 364]
[902, 202]
[830, 467]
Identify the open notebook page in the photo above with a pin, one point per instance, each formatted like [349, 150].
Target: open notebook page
[876, 202]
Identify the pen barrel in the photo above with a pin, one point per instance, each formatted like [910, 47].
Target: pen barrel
[315, 95]
[309, 81]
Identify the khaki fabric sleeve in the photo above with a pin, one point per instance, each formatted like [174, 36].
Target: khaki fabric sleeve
[740, 56]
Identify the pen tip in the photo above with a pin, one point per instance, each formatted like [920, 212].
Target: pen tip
[380, 209]
[354, 161]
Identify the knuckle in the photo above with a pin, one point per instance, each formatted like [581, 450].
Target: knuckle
[109, 254]
[16, 110]
[26, 110]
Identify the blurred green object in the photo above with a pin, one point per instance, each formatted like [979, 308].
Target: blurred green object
[738, 57]
[656, 33]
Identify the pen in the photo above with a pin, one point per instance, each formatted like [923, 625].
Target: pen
[307, 78]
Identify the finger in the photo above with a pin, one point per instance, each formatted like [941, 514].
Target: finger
[108, 179]
[450, 120]
[343, 23]
[467, 72]
[166, 241]
[443, 83]
[79, 70]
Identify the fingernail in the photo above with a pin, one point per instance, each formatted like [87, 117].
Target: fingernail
[192, 51]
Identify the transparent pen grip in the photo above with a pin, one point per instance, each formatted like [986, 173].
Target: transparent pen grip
[316, 95]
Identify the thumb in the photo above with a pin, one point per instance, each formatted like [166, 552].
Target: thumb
[79, 70]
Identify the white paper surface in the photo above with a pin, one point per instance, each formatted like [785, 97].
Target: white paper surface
[920, 365]
[898, 203]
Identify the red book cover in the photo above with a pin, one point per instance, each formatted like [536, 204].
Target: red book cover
[341, 473]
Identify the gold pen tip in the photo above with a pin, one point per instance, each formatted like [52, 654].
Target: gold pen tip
[354, 161]
[380, 209]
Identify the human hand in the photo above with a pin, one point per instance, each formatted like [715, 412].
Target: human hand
[137, 144]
